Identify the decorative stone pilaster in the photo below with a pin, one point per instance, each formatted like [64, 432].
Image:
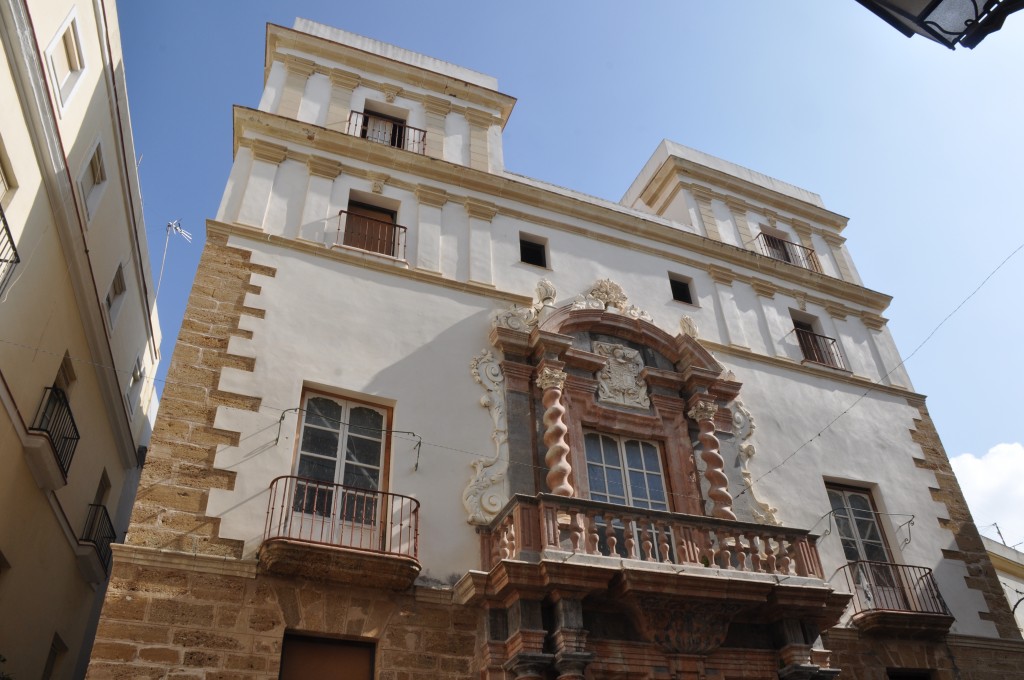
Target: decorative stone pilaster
[340, 107]
[803, 232]
[551, 381]
[704, 413]
[835, 244]
[299, 71]
[485, 495]
[479, 149]
[315, 208]
[266, 157]
[707, 213]
[480, 265]
[437, 111]
[739, 217]
[428, 241]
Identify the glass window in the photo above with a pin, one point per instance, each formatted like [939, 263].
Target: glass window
[857, 525]
[340, 443]
[625, 471]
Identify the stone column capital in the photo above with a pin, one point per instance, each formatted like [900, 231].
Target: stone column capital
[345, 79]
[437, 105]
[323, 167]
[551, 378]
[428, 195]
[703, 410]
[299, 66]
[480, 118]
[268, 151]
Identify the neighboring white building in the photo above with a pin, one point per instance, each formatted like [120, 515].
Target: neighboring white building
[1009, 564]
[429, 418]
[79, 333]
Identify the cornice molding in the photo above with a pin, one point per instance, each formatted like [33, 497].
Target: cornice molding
[161, 558]
[323, 167]
[268, 151]
[367, 260]
[280, 37]
[481, 210]
[437, 106]
[345, 79]
[428, 195]
[812, 369]
[540, 199]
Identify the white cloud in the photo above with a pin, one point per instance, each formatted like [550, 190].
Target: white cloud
[994, 488]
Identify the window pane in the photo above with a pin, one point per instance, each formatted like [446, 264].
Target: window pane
[611, 451]
[637, 486]
[365, 451]
[316, 468]
[323, 413]
[634, 458]
[313, 499]
[654, 486]
[651, 461]
[616, 488]
[595, 475]
[593, 446]
[361, 477]
[850, 549]
[366, 422]
[320, 442]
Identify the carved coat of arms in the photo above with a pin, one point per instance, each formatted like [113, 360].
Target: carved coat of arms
[619, 382]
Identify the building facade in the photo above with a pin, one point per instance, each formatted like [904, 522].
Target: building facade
[427, 418]
[79, 334]
[1009, 565]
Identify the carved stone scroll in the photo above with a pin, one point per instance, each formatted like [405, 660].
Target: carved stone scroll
[704, 413]
[524, 318]
[743, 426]
[619, 382]
[552, 381]
[485, 495]
[605, 294]
[688, 326]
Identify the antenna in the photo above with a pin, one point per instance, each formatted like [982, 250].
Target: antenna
[172, 227]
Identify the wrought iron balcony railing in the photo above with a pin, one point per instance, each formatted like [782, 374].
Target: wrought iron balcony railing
[383, 130]
[366, 233]
[99, 532]
[324, 513]
[787, 251]
[531, 525]
[882, 586]
[820, 349]
[8, 253]
[55, 420]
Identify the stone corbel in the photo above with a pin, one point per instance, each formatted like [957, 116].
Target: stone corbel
[346, 80]
[269, 152]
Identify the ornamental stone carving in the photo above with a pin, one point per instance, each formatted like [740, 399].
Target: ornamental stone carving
[524, 318]
[619, 382]
[605, 294]
[743, 426]
[485, 495]
[704, 413]
[688, 326]
[680, 627]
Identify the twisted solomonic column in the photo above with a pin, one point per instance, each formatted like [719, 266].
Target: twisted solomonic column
[704, 413]
[551, 381]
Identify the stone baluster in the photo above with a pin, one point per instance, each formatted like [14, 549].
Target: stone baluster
[647, 543]
[609, 536]
[551, 381]
[755, 552]
[704, 413]
[592, 536]
[663, 541]
[769, 555]
[784, 560]
[630, 536]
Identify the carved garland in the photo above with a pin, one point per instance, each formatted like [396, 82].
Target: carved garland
[485, 495]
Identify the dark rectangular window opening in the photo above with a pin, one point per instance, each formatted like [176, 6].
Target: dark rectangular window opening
[369, 227]
[305, 657]
[902, 674]
[681, 290]
[533, 252]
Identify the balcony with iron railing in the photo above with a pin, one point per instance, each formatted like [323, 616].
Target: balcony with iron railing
[388, 131]
[787, 251]
[54, 437]
[341, 533]
[94, 552]
[895, 599]
[8, 253]
[369, 234]
[820, 349]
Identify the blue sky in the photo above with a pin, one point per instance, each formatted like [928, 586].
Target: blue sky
[919, 146]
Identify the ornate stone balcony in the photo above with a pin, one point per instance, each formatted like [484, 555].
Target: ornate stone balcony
[896, 599]
[338, 533]
[531, 529]
[677, 585]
